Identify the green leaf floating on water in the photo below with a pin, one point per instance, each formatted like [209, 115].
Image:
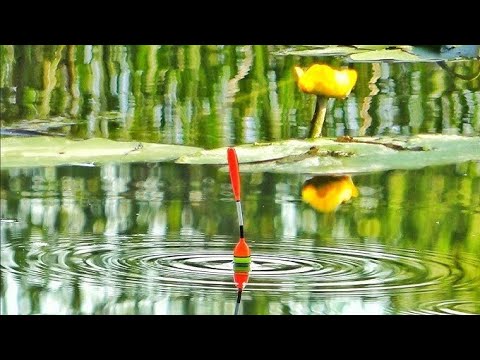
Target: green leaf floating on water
[385, 54]
[381, 47]
[328, 156]
[319, 156]
[331, 50]
[394, 53]
[52, 151]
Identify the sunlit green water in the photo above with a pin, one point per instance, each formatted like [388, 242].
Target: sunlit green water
[147, 238]
[219, 95]
[158, 238]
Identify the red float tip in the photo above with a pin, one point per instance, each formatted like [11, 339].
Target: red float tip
[234, 172]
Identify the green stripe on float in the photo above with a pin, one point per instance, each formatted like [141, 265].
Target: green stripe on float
[242, 260]
[241, 268]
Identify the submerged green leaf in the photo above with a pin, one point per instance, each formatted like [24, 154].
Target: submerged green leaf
[328, 156]
[52, 151]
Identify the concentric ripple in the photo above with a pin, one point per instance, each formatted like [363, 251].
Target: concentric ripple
[450, 307]
[346, 268]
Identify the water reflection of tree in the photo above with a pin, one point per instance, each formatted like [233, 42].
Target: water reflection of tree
[429, 209]
[200, 200]
[183, 94]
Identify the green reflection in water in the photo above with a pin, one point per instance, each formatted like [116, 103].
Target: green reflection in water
[157, 238]
[214, 96]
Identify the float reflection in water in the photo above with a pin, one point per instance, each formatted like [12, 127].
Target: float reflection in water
[326, 193]
[241, 266]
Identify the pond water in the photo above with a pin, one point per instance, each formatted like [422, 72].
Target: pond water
[157, 238]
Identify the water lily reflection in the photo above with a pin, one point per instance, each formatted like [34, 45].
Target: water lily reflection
[326, 193]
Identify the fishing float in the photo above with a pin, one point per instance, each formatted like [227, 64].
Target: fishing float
[241, 252]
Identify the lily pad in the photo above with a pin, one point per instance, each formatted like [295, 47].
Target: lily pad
[328, 50]
[393, 53]
[385, 54]
[257, 152]
[382, 47]
[36, 127]
[329, 156]
[319, 156]
[52, 151]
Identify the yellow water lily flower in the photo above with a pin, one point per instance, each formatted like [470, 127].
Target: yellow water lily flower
[323, 80]
[326, 193]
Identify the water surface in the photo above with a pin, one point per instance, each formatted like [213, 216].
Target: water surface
[157, 238]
